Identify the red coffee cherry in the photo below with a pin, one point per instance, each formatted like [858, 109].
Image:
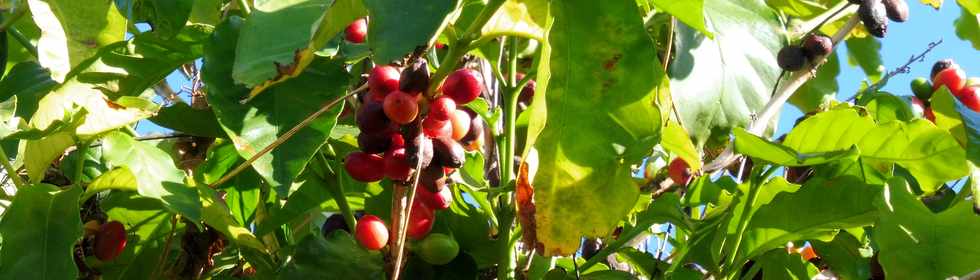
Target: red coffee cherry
[400, 107]
[110, 241]
[679, 172]
[442, 108]
[396, 165]
[365, 167]
[969, 98]
[436, 200]
[463, 86]
[383, 79]
[356, 31]
[434, 128]
[371, 232]
[420, 221]
[953, 78]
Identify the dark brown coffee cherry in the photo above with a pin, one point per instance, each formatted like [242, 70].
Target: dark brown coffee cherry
[855, 2]
[334, 222]
[376, 143]
[415, 77]
[816, 46]
[433, 178]
[476, 128]
[371, 118]
[897, 10]
[791, 58]
[941, 65]
[417, 144]
[448, 153]
[874, 16]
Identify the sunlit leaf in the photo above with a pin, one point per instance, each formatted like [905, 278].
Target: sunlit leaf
[73, 31]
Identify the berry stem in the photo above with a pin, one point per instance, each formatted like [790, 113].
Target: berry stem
[462, 45]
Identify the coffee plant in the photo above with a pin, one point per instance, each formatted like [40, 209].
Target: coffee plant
[482, 139]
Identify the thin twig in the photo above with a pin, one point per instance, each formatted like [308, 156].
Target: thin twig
[166, 245]
[904, 69]
[282, 139]
[405, 212]
[761, 121]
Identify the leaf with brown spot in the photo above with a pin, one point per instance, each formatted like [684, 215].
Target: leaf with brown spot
[525, 208]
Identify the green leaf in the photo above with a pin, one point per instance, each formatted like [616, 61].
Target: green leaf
[166, 17]
[969, 6]
[643, 262]
[339, 252]
[181, 117]
[206, 12]
[469, 226]
[818, 208]
[119, 178]
[677, 141]
[311, 194]
[148, 225]
[717, 83]
[944, 106]
[971, 124]
[242, 195]
[931, 154]
[777, 264]
[833, 130]
[217, 215]
[584, 173]
[29, 82]
[865, 52]
[760, 149]
[885, 107]
[690, 12]
[968, 28]
[258, 123]
[39, 231]
[843, 257]
[155, 171]
[819, 90]
[74, 31]
[523, 18]
[918, 244]
[290, 22]
[391, 38]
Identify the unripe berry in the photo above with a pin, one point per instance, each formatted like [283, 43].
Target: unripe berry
[383, 79]
[401, 107]
[364, 167]
[356, 31]
[371, 232]
[463, 86]
[921, 88]
[461, 124]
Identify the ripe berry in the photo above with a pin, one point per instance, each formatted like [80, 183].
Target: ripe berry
[463, 86]
[448, 153]
[874, 16]
[969, 98]
[442, 108]
[400, 107]
[110, 241]
[415, 77]
[396, 165]
[436, 200]
[383, 79]
[433, 177]
[333, 223]
[679, 172]
[356, 31]
[435, 128]
[365, 167]
[953, 78]
[816, 46]
[941, 65]
[921, 88]
[437, 249]
[371, 232]
[461, 124]
[371, 118]
[420, 221]
[791, 58]
[808, 253]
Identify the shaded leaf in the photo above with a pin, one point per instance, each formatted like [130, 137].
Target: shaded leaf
[339, 252]
[718, 83]
[181, 117]
[842, 256]
[777, 264]
[216, 214]
[44, 249]
[258, 59]
[388, 35]
[819, 90]
[166, 17]
[148, 225]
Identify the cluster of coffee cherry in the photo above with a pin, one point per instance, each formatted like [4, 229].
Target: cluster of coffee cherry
[945, 73]
[875, 14]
